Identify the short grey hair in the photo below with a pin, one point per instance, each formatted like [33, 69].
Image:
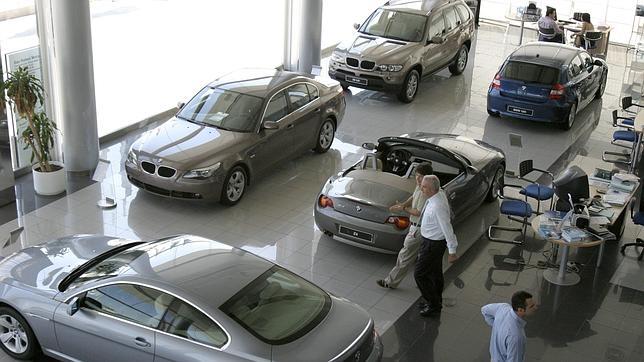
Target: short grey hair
[433, 181]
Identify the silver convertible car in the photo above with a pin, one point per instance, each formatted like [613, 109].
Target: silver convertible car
[181, 298]
[354, 205]
[236, 127]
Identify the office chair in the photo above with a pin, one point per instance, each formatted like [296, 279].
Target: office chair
[535, 190]
[627, 102]
[622, 138]
[591, 39]
[546, 34]
[638, 219]
[512, 207]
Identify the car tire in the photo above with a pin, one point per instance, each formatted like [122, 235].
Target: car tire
[12, 322]
[460, 61]
[325, 137]
[234, 186]
[410, 87]
[569, 121]
[602, 85]
[493, 114]
[497, 184]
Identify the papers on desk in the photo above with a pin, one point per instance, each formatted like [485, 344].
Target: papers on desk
[571, 233]
[599, 220]
[616, 197]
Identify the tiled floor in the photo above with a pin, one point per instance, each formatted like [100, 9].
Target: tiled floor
[592, 321]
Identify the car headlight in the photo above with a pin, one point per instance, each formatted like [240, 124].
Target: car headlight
[202, 173]
[132, 158]
[390, 67]
[337, 57]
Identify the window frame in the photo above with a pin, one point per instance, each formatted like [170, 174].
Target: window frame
[457, 18]
[429, 25]
[80, 293]
[164, 324]
[570, 67]
[261, 122]
[288, 97]
[460, 9]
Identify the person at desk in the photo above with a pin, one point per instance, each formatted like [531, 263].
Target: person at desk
[586, 25]
[548, 22]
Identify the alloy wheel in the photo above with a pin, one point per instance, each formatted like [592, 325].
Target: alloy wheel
[498, 181]
[236, 185]
[326, 135]
[571, 116]
[462, 59]
[13, 335]
[412, 85]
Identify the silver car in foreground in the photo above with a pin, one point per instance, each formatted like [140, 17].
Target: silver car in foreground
[181, 298]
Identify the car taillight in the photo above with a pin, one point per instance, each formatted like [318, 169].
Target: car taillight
[496, 83]
[400, 222]
[557, 91]
[325, 201]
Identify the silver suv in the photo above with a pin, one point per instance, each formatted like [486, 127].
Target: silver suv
[399, 43]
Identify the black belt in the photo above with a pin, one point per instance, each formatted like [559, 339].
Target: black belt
[415, 224]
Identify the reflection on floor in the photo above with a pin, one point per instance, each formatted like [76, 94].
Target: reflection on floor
[593, 321]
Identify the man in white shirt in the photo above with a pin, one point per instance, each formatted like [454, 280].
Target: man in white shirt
[437, 234]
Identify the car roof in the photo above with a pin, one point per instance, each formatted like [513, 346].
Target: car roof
[255, 82]
[416, 7]
[551, 54]
[208, 270]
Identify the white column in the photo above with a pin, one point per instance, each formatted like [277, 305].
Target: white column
[308, 15]
[65, 36]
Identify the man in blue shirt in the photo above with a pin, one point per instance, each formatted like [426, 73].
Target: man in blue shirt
[507, 343]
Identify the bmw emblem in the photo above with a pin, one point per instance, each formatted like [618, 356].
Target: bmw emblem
[358, 208]
[523, 87]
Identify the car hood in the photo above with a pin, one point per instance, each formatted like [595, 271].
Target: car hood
[343, 325]
[184, 144]
[381, 50]
[42, 267]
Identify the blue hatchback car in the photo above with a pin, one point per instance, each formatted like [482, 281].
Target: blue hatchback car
[546, 82]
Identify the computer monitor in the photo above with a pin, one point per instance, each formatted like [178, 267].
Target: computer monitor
[573, 181]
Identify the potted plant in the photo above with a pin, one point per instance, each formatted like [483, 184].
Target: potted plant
[24, 92]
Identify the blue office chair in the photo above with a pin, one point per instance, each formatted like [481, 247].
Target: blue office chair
[622, 138]
[512, 207]
[638, 219]
[535, 190]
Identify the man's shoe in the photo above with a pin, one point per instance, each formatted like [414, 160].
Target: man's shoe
[383, 283]
[428, 311]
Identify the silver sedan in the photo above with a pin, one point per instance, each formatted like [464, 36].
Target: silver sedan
[182, 298]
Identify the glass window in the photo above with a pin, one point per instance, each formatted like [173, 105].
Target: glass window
[223, 109]
[463, 12]
[586, 59]
[395, 25]
[575, 67]
[277, 108]
[278, 306]
[530, 73]
[135, 303]
[451, 20]
[313, 91]
[188, 322]
[298, 95]
[436, 26]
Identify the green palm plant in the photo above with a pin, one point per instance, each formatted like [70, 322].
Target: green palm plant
[24, 92]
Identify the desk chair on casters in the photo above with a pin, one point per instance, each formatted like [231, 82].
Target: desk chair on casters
[591, 40]
[534, 190]
[622, 138]
[627, 103]
[638, 219]
[546, 34]
[512, 207]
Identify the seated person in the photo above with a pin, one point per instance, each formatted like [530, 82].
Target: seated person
[547, 22]
[586, 25]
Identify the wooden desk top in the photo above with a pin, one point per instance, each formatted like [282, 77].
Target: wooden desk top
[617, 209]
[639, 121]
[536, 222]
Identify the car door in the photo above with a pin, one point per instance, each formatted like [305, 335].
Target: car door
[272, 143]
[593, 75]
[452, 32]
[189, 335]
[577, 79]
[433, 52]
[113, 323]
[305, 113]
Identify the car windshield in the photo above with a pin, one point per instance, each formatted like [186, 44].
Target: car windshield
[531, 73]
[278, 306]
[395, 25]
[108, 268]
[223, 109]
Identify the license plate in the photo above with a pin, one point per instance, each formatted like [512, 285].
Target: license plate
[356, 234]
[522, 111]
[356, 80]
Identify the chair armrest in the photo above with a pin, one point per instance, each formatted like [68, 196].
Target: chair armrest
[502, 196]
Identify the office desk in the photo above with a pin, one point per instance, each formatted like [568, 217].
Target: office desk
[616, 225]
[638, 128]
[562, 276]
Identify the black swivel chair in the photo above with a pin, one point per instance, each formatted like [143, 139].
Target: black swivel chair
[591, 39]
[627, 103]
[638, 219]
[546, 34]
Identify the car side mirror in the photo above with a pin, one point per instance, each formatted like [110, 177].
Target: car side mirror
[356, 26]
[598, 63]
[271, 125]
[73, 306]
[180, 105]
[436, 40]
[369, 146]
[472, 169]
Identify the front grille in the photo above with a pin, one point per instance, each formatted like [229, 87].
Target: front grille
[364, 349]
[165, 171]
[352, 62]
[148, 167]
[366, 64]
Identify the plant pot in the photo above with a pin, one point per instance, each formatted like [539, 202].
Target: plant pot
[49, 183]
